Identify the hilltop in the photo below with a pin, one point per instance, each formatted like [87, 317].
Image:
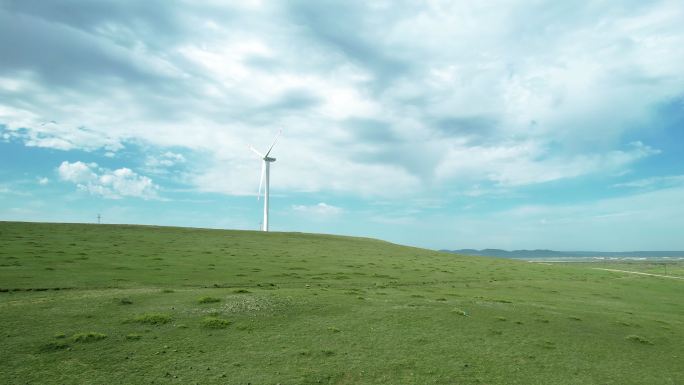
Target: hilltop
[143, 304]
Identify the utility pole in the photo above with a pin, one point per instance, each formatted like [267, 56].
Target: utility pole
[98, 218]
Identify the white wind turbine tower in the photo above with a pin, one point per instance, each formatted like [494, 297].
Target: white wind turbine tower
[265, 168]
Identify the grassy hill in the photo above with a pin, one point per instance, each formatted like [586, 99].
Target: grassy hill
[101, 304]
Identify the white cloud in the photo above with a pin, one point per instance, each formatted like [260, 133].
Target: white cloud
[320, 209]
[43, 181]
[170, 158]
[162, 163]
[37, 132]
[532, 162]
[122, 182]
[509, 99]
[16, 189]
[77, 172]
[661, 181]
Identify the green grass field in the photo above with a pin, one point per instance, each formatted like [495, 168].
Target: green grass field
[101, 304]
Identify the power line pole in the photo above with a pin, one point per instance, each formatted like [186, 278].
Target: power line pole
[98, 219]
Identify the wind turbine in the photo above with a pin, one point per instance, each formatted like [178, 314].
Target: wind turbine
[265, 172]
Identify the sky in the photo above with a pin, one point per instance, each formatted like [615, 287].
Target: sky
[440, 124]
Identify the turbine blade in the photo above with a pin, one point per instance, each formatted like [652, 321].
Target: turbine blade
[256, 152]
[261, 182]
[274, 142]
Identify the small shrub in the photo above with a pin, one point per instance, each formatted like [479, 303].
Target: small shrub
[125, 301]
[88, 337]
[60, 335]
[460, 312]
[152, 318]
[133, 337]
[167, 291]
[334, 329]
[639, 339]
[54, 346]
[501, 318]
[215, 323]
[328, 352]
[241, 291]
[247, 328]
[209, 300]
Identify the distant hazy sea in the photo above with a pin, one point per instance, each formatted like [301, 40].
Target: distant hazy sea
[601, 259]
[576, 256]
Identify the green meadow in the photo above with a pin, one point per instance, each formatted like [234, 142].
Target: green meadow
[116, 304]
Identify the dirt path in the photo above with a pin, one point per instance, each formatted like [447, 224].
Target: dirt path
[638, 272]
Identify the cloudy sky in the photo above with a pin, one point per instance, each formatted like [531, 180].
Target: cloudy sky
[443, 124]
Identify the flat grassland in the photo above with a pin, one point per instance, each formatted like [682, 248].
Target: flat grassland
[106, 304]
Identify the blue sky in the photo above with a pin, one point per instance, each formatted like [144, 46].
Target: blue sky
[442, 124]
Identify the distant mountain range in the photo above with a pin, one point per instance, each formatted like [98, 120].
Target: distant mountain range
[524, 254]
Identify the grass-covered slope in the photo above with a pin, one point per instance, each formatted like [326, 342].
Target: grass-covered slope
[99, 304]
